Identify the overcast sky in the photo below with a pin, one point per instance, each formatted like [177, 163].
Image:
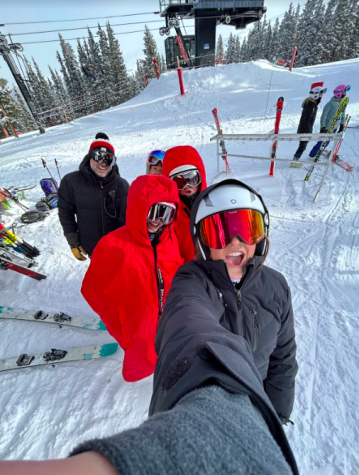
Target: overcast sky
[101, 10]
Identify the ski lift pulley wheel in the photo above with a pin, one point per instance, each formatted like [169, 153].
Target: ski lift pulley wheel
[228, 19]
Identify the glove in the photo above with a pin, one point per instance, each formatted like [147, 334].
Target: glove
[285, 421]
[79, 253]
[341, 128]
[76, 248]
[323, 130]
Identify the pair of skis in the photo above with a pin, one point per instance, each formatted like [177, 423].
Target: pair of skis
[13, 246]
[54, 356]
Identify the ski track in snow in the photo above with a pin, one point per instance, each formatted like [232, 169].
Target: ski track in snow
[47, 411]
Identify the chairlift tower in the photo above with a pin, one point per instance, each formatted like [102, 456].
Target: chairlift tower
[207, 14]
[5, 52]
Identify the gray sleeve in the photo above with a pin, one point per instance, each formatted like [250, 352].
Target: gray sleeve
[209, 432]
[280, 382]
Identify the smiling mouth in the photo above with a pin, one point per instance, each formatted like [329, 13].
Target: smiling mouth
[235, 259]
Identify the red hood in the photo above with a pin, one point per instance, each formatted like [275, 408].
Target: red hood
[184, 155]
[145, 191]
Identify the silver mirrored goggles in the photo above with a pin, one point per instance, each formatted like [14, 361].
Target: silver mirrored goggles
[162, 210]
[189, 178]
[100, 156]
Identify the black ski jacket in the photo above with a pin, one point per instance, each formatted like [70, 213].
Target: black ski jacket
[309, 113]
[90, 205]
[259, 308]
[199, 341]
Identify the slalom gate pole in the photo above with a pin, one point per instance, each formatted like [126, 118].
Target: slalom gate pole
[45, 166]
[57, 166]
[180, 78]
[293, 58]
[276, 131]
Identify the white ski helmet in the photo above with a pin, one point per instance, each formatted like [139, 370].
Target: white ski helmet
[316, 91]
[227, 195]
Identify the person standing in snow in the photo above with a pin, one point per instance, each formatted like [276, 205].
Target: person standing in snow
[132, 269]
[329, 112]
[154, 162]
[309, 113]
[92, 201]
[229, 281]
[185, 167]
[209, 414]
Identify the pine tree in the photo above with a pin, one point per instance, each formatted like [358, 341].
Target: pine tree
[230, 55]
[275, 45]
[26, 121]
[14, 115]
[220, 49]
[119, 74]
[150, 51]
[73, 80]
[287, 33]
[237, 45]
[308, 35]
[244, 50]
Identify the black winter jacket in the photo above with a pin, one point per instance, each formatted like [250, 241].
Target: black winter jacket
[199, 341]
[87, 207]
[309, 113]
[259, 308]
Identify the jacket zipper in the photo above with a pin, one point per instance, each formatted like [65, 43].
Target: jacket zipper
[101, 203]
[255, 329]
[160, 285]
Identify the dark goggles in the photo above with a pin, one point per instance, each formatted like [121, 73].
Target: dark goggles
[190, 178]
[100, 156]
[164, 211]
[156, 157]
[218, 230]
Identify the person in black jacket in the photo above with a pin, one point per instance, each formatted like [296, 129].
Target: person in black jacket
[93, 200]
[230, 223]
[309, 113]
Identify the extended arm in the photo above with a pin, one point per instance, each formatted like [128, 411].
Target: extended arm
[282, 370]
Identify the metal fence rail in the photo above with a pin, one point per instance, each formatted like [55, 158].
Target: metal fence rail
[334, 138]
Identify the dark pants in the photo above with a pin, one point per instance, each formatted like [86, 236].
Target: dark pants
[300, 149]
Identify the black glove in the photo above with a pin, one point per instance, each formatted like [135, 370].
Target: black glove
[76, 248]
[285, 421]
[323, 130]
[341, 128]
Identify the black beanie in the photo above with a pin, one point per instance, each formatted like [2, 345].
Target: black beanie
[101, 135]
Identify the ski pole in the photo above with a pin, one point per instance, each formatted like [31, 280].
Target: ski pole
[45, 166]
[57, 166]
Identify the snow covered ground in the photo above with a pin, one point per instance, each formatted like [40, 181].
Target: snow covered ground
[46, 411]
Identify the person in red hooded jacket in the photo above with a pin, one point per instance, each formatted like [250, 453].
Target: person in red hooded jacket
[131, 272]
[185, 167]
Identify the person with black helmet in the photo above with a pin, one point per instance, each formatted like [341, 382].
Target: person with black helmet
[230, 226]
[92, 200]
[307, 119]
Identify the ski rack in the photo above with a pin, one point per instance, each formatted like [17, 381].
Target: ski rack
[334, 138]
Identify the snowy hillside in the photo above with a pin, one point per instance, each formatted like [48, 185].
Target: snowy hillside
[46, 411]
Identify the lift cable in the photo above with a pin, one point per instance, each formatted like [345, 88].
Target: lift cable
[80, 19]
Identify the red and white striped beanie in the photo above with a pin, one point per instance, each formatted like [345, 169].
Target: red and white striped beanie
[103, 145]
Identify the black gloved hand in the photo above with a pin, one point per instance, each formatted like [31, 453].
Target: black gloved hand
[76, 248]
[341, 128]
[323, 130]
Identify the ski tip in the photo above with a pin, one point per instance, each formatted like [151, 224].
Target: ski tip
[108, 349]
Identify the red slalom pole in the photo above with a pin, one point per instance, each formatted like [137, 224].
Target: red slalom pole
[293, 58]
[180, 78]
[276, 131]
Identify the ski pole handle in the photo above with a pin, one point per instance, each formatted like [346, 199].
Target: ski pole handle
[43, 162]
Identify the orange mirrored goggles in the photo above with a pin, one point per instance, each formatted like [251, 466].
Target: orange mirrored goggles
[217, 230]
